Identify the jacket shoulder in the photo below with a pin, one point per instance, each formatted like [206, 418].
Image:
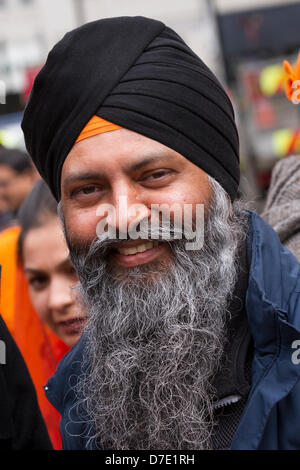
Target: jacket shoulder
[274, 271]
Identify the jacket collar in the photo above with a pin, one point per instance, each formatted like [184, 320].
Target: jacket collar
[274, 279]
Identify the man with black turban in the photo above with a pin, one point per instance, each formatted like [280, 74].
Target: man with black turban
[193, 338]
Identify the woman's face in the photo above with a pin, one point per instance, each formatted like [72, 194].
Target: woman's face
[50, 276]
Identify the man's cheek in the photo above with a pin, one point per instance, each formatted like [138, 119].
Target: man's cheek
[81, 228]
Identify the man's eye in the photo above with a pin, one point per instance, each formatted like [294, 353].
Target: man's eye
[158, 174]
[86, 190]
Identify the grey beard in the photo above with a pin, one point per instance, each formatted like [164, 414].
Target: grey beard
[155, 338]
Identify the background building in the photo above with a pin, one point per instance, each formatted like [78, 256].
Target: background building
[29, 28]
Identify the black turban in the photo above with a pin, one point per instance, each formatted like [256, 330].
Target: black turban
[138, 73]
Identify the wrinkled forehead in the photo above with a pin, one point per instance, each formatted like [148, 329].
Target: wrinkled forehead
[105, 155]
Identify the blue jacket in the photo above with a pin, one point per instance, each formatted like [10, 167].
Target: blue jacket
[271, 417]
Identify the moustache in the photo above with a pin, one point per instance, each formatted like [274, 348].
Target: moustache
[108, 240]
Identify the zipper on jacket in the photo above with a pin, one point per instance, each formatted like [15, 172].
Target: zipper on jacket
[226, 401]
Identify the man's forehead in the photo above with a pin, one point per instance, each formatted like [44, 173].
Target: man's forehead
[128, 152]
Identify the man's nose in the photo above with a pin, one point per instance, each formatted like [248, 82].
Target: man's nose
[130, 206]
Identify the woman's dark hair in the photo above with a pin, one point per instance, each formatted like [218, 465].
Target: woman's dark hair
[16, 160]
[35, 210]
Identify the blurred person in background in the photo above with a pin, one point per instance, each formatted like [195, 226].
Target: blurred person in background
[37, 301]
[282, 207]
[17, 176]
[6, 216]
[49, 277]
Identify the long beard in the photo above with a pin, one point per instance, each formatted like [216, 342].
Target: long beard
[155, 339]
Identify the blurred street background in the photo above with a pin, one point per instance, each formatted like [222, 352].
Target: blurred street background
[243, 42]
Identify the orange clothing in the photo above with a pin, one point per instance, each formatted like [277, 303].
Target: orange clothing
[41, 349]
[96, 125]
[292, 75]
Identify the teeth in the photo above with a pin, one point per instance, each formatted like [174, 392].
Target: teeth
[137, 249]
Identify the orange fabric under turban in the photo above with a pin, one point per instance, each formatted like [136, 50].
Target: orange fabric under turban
[96, 125]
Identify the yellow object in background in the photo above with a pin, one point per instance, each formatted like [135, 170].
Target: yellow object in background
[9, 138]
[286, 142]
[271, 80]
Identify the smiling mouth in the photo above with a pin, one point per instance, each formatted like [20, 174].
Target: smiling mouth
[141, 248]
[130, 255]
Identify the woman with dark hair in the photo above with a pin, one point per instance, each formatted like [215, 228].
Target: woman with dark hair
[37, 302]
[48, 269]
